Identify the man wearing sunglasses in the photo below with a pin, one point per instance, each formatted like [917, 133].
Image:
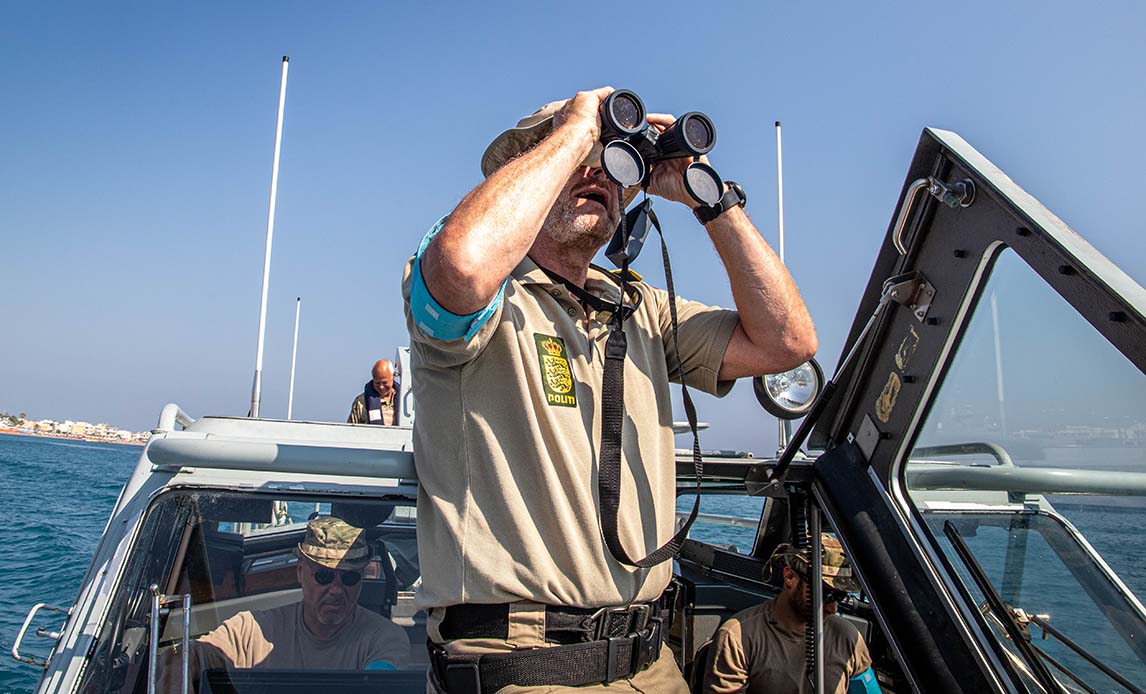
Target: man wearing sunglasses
[326, 630]
[761, 649]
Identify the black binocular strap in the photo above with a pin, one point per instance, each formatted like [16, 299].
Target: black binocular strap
[613, 407]
[612, 420]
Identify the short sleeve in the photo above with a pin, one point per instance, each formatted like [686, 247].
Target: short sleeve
[226, 644]
[728, 672]
[444, 339]
[388, 644]
[703, 334]
[433, 320]
[861, 659]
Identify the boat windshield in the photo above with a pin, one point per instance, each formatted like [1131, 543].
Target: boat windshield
[258, 613]
[1033, 451]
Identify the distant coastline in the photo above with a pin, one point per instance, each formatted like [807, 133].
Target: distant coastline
[65, 437]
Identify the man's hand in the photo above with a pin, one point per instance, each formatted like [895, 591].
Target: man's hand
[584, 109]
[667, 178]
[775, 332]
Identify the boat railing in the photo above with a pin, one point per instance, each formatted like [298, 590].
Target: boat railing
[281, 457]
[158, 602]
[973, 448]
[42, 632]
[171, 415]
[1023, 480]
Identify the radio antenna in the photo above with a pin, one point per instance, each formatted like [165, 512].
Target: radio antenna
[785, 432]
[293, 354]
[257, 386]
[780, 189]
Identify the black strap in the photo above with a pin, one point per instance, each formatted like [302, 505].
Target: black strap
[613, 404]
[612, 420]
[562, 624]
[573, 665]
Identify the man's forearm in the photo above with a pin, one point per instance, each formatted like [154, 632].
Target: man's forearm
[494, 226]
[775, 322]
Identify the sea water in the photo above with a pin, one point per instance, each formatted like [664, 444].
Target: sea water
[56, 496]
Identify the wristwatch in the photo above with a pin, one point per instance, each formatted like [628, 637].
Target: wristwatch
[733, 197]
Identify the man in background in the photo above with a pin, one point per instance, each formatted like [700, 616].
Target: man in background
[761, 649]
[378, 401]
[325, 630]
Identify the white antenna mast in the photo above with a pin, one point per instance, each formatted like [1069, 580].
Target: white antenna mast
[785, 433]
[780, 189]
[293, 354]
[257, 386]
[999, 394]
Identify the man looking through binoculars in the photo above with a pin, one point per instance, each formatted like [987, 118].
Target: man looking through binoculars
[509, 322]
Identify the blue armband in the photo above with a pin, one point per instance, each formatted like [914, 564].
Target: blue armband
[864, 683]
[381, 665]
[430, 317]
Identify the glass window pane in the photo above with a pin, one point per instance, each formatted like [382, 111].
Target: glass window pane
[1037, 431]
[728, 521]
[258, 603]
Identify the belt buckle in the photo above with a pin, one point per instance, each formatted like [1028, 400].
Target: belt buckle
[605, 619]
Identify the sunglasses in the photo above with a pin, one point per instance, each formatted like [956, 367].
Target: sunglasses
[325, 577]
[830, 594]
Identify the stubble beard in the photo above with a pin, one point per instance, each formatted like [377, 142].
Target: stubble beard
[332, 615]
[575, 230]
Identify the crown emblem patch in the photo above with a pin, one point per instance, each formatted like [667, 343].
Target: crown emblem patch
[556, 376]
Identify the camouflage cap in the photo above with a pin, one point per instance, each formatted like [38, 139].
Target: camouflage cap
[526, 134]
[335, 544]
[835, 567]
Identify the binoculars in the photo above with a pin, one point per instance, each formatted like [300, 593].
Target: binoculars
[631, 147]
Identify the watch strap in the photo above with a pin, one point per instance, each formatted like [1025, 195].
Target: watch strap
[733, 197]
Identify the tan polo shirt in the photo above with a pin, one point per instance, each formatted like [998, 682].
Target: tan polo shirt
[754, 653]
[507, 438]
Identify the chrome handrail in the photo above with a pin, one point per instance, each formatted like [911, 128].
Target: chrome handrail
[55, 636]
[158, 601]
[960, 194]
[955, 449]
[1001, 478]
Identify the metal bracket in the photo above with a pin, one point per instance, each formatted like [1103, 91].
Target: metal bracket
[41, 632]
[867, 438]
[913, 291]
[158, 601]
[760, 482]
[958, 194]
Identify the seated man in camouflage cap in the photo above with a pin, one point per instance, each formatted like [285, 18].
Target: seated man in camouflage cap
[327, 630]
[761, 649]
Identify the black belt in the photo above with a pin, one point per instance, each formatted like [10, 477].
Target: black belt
[599, 645]
[572, 665]
[562, 624]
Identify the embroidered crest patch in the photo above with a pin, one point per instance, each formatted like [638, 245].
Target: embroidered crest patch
[556, 375]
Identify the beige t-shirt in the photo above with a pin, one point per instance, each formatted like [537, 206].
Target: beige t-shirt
[752, 652]
[278, 639]
[507, 438]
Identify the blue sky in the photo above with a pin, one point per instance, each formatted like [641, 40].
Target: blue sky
[137, 141]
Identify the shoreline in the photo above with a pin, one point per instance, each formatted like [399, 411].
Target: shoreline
[64, 437]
